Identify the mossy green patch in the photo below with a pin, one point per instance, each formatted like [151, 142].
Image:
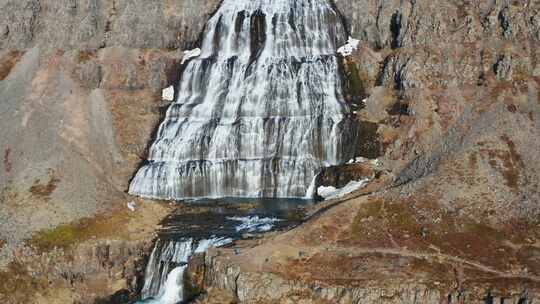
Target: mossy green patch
[66, 235]
[61, 236]
[484, 231]
[356, 82]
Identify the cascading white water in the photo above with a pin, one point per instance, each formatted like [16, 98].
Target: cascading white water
[165, 256]
[259, 112]
[164, 277]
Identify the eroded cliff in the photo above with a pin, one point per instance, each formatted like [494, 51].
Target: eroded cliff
[80, 87]
[451, 111]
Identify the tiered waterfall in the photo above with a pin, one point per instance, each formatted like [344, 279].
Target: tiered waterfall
[260, 111]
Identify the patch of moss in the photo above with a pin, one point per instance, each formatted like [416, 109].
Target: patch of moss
[402, 218]
[61, 236]
[371, 209]
[356, 82]
[484, 231]
[380, 223]
[66, 235]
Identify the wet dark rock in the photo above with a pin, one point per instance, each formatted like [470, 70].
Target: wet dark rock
[339, 176]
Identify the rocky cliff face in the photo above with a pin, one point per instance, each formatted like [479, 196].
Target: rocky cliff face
[452, 88]
[452, 111]
[456, 86]
[93, 24]
[80, 87]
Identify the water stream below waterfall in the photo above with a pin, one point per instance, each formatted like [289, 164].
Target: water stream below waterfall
[206, 224]
[260, 111]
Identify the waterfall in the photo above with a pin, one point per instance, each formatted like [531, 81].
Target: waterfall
[165, 256]
[259, 112]
[311, 191]
[164, 276]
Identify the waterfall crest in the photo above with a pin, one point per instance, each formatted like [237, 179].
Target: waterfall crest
[259, 112]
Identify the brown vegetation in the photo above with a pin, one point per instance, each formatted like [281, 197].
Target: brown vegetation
[7, 162]
[43, 191]
[85, 56]
[17, 284]
[8, 62]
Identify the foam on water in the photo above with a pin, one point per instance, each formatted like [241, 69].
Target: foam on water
[254, 223]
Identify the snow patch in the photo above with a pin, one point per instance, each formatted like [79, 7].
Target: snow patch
[376, 162]
[332, 192]
[357, 160]
[132, 206]
[168, 94]
[349, 47]
[191, 54]
[254, 223]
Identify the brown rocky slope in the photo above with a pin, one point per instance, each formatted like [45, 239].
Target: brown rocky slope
[452, 111]
[452, 87]
[80, 87]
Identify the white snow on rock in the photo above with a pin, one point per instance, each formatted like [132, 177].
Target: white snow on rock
[331, 192]
[131, 206]
[349, 47]
[376, 162]
[168, 94]
[357, 160]
[191, 54]
[254, 223]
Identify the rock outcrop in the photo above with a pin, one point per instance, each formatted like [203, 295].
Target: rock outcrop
[451, 112]
[452, 88]
[94, 24]
[80, 87]
[81, 83]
